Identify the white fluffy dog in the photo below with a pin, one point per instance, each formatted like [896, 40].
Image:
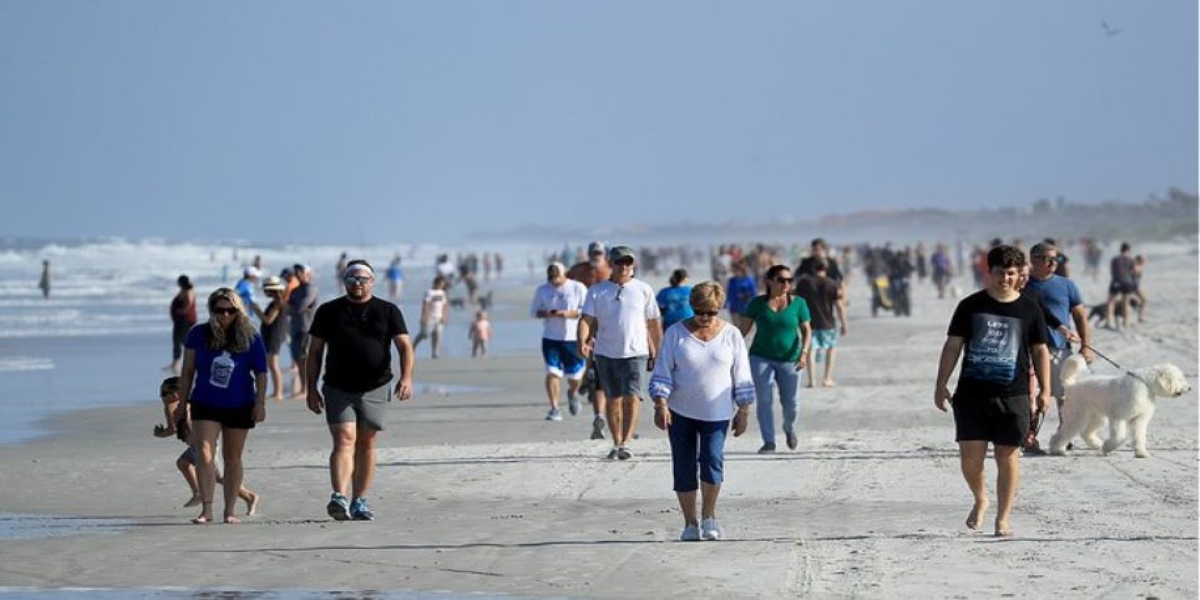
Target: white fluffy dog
[1120, 401]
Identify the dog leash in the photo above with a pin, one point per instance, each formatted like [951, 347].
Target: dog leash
[1114, 363]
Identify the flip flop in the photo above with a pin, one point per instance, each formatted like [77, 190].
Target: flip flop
[201, 520]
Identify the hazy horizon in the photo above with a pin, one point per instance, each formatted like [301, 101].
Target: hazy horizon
[427, 122]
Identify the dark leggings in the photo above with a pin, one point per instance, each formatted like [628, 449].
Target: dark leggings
[178, 334]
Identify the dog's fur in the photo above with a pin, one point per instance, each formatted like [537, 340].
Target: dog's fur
[1123, 402]
[1097, 312]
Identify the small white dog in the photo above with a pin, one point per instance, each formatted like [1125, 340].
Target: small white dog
[1120, 401]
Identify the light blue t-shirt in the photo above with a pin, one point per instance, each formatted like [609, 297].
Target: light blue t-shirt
[1059, 295]
[675, 304]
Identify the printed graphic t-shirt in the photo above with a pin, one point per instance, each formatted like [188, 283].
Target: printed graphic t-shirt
[224, 379]
[998, 336]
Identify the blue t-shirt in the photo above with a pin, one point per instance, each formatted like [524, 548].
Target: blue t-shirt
[674, 303]
[1059, 296]
[245, 289]
[224, 379]
[738, 293]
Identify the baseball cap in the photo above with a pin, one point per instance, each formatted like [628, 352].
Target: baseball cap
[619, 252]
[595, 248]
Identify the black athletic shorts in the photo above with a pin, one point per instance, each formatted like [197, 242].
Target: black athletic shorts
[233, 418]
[1001, 421]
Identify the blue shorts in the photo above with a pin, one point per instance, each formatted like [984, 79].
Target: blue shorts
[562, 358]
[620, 377]
[824, 338]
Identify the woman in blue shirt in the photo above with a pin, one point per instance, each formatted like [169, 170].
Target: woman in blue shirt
[225, 380]
[673, 301]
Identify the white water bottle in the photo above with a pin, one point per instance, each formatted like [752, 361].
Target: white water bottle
[222, 371]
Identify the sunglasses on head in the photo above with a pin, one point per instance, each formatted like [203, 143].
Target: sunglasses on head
[356, 279]
[224, 310]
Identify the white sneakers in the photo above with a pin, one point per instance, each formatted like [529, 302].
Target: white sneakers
[708, 530]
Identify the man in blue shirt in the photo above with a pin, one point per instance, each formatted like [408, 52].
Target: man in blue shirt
[1061, 298]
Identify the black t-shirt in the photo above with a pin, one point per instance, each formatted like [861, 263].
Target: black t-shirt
[358, 337]
[808, 267]
[821, 295]
[998, 337]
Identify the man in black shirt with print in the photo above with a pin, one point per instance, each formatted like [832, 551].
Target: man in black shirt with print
[1000, 330]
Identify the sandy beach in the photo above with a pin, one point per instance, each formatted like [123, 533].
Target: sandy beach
[475, 493]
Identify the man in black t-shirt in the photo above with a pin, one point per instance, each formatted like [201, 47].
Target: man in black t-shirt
[1002, 333]
[359, 330]
[824, 298]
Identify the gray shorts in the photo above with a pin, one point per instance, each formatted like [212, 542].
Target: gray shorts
[621, 376]
[366, 408]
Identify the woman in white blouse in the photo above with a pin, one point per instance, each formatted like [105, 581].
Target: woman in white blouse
[701, 383]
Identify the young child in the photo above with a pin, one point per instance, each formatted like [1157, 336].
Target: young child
[480, 332]
[186, 463]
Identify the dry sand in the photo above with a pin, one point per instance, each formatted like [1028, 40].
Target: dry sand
[476, 493]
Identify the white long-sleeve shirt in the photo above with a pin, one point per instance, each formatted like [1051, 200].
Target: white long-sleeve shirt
[703, 380]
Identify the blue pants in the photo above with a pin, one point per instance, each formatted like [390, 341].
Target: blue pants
[697, 446]
[766, 374]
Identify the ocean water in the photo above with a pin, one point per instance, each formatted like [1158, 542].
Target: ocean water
[103, 335]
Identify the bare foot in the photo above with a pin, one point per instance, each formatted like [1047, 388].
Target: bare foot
[202, 520]
[808, 385]
[1003, 530]
[232, 520]
[251, 503]
[194, 501]
[828, 383]
[975, 517]
[299, 393]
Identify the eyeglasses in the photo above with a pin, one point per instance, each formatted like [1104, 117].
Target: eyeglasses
[356, 280]
[1049, 260]
[783, 279]
[224, 311]
[706, 313]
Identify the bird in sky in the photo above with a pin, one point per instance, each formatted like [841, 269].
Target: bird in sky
[1109, 31]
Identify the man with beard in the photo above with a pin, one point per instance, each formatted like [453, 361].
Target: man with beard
[358, 329]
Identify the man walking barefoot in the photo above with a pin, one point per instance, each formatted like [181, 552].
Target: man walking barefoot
[999, 329]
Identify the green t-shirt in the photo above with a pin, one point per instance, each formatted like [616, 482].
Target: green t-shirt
[777, 334]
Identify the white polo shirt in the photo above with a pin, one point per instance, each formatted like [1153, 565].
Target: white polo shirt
[621, 312]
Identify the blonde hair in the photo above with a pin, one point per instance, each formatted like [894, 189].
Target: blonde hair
[240, 333]
[707, 294]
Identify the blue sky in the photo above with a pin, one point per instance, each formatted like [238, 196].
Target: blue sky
[424, 121]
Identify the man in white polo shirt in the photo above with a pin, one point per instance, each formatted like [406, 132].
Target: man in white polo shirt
[621, 327]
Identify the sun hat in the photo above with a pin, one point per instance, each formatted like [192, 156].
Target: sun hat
[274, 284]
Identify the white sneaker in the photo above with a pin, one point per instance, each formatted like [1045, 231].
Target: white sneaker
[691, 533]
[710, 530]
[554, 415]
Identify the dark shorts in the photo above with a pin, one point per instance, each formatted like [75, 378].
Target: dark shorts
[190, 456]
[1121, 287]
[298, 347]
[1002, 421]
[233, 418]
[356, 407]
[620, 376]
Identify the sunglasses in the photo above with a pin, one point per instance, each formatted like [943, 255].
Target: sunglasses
[225, 311]
[624, 262]
[783, 279]
[356, 280]
[706, 313]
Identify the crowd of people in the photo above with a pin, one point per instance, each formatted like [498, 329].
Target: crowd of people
[616, 340]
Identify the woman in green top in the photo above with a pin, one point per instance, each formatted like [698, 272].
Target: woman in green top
[778, 352]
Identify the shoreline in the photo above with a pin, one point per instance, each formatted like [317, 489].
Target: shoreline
[477, 494]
